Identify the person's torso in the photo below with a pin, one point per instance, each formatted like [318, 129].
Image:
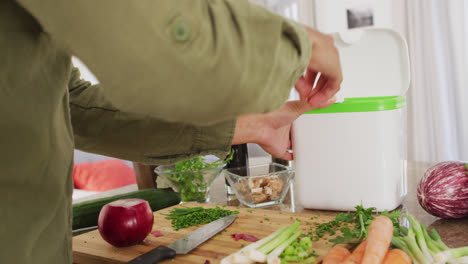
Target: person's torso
[36, 142]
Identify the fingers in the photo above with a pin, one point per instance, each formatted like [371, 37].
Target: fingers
[303, 88]
[304, 85]
[324, 94]
[286, 156]
[325, 59]
[322, 81]
[311, 76]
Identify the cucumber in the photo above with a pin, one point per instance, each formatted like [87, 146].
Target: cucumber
[86, 214]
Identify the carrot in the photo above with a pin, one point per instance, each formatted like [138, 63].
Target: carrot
[378, 240]
[336, 255]
[397, 256]
[356, 256]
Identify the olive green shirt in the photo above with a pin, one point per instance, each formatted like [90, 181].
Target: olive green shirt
[173, 76]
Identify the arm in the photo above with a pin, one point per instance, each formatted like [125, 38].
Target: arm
[200, 61]
[99, 127]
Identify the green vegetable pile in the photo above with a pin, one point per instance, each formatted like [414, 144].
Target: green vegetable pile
[354, 226]
[186, 216]
[422, 246]
[282, 246]
[298, 251]
[191, 183]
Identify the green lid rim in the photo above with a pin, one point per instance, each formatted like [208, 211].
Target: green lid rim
[364, 104]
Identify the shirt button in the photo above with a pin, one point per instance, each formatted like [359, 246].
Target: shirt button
[180, 32]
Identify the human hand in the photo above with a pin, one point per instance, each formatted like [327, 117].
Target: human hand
[325, 60]
[272, 131]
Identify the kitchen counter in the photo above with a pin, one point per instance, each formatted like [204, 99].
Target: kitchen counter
[90, 248]
[453, 232]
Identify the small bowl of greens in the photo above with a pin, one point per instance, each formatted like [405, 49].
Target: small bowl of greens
[192, 178]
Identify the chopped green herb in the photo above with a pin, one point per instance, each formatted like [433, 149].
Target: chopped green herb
[186, 216]
[250, 211]
[353, 226]
[266, 219]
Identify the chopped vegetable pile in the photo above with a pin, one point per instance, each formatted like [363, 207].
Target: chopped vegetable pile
[354, 226]
[192, 185]
[186, 216]
[298, 251]
[385, 241]
[280, 247]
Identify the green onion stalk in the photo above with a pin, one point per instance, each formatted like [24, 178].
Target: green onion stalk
[260, 254]
[425, 247]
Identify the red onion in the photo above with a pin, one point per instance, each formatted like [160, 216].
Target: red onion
[443, 190]
[157, 233]
[125, 222]
[245, 237]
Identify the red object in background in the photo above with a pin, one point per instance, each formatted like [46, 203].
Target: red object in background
[157, 233]
[245, 237]
[103, 175]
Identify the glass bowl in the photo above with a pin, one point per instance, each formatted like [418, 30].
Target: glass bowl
[260, 185]
[193, 186]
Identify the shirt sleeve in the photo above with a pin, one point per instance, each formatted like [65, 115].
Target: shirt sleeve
[101, 128]
[191, 61]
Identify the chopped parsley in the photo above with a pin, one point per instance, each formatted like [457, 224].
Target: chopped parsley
[353, 226]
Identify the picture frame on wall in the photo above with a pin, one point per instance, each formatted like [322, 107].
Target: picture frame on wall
[360, 16]
[340, 15]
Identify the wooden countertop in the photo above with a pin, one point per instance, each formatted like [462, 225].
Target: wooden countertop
[453, 232]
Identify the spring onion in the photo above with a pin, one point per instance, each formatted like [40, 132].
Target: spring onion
[426, 247]
[273, 256]
[260, 254]
[271, 248]
[240, 257]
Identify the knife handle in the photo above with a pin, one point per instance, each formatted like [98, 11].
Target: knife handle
[154, 256]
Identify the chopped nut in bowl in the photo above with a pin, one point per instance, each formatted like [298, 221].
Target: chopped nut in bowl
[261, 185]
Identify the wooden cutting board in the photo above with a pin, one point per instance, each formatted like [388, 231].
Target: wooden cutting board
[90, 248]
